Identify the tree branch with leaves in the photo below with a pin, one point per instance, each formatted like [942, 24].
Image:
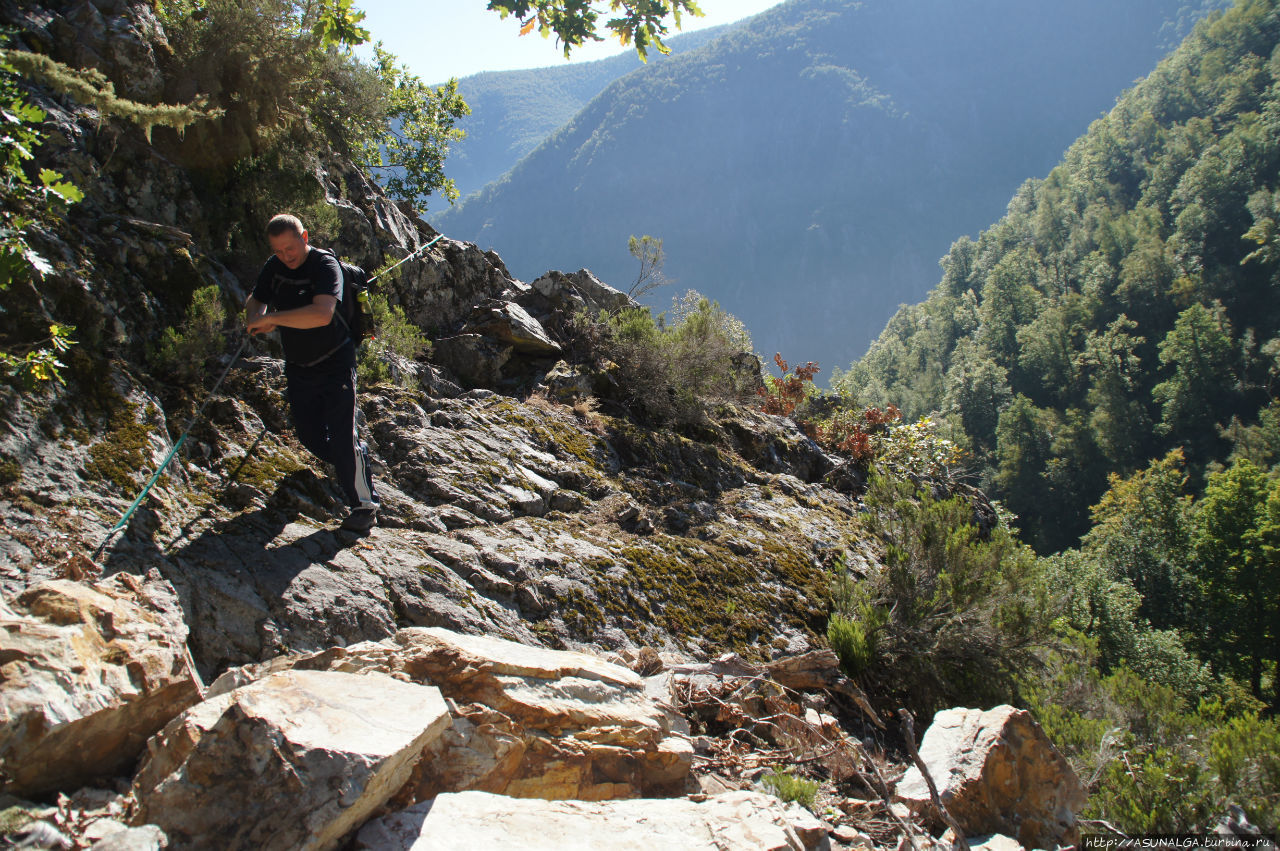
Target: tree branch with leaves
[648, 250]
[26, 201]
[575, 22]
[410, 148]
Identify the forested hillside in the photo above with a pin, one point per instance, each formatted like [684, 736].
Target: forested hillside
[1107, 355]
[826, 149]
[1126, 305]
[512, 112]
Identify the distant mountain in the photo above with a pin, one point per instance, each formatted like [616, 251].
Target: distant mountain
[512, 112]
[808, 167]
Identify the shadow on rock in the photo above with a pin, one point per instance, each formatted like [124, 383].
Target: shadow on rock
[260, 582]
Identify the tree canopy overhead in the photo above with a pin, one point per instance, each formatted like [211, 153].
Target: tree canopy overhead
[575, 22]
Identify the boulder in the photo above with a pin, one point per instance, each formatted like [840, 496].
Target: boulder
[566, 383]
[997, 772]
[88, 673]
[994, 842]
[475, 359]
[732, 821]
[587, 728]
[815, 669]
[510, 324]
[295, 760]
[528, 722]
[581, 289]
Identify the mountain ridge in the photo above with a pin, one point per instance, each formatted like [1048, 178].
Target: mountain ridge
[1072, 313]
[514, 111]
[781, 195]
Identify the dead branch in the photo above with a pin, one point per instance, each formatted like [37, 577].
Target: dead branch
[888, 804]
[909, 731]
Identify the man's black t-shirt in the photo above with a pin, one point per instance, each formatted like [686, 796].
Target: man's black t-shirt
[284, 289]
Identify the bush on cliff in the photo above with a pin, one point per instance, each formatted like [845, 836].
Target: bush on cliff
[181, 352]
[396, 337]
[953, 614]
[292, 90]
[669, 372]
[867, 435]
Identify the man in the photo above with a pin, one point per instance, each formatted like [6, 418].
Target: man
[297, 291]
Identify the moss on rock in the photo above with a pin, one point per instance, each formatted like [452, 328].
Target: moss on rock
[695, 588]
[121, 456]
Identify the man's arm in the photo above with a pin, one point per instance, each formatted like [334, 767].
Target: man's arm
[315, 315]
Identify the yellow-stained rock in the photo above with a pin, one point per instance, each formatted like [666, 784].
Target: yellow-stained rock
[997, 772]
[88, 673]
[295, 760]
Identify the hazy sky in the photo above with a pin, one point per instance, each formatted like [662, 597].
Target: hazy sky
[439, 39]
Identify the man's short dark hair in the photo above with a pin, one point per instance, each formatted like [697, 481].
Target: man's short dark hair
[285, 222]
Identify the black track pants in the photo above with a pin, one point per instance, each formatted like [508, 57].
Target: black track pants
[323, 402]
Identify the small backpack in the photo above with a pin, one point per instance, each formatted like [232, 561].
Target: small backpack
[354, 310]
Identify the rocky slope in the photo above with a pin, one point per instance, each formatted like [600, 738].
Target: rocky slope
[438, 739]
[230, 646]
[513, 514]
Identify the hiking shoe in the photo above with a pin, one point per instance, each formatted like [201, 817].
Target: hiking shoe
[360, 520]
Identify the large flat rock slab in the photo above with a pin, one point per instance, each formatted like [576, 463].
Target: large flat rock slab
[547, 723]
[87, 674]
[295, 760]
[732, 821]
[528, 721]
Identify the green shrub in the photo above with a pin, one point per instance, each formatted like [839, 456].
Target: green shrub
[955, 613]
[1245, 755]
[30, 343]
[394, 335]
[852, 643]
[854, 623]
[1156, 791]
[287, 88]
[10, 471]
[181, 353]
[917, 449]
[1151, 762]
[1105, 607]
[789, 788]
[670, 372]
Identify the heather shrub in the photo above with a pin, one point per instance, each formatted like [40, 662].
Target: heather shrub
[394, 337]
[855, 621]
[181, 352]
[1154, 760]
[788, 787]
[952, 615]
[670, 371]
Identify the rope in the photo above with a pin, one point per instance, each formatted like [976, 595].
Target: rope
[409, 257]
[155, 477]
[124, 520]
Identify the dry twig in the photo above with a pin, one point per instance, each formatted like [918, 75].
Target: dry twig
[909, 729]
